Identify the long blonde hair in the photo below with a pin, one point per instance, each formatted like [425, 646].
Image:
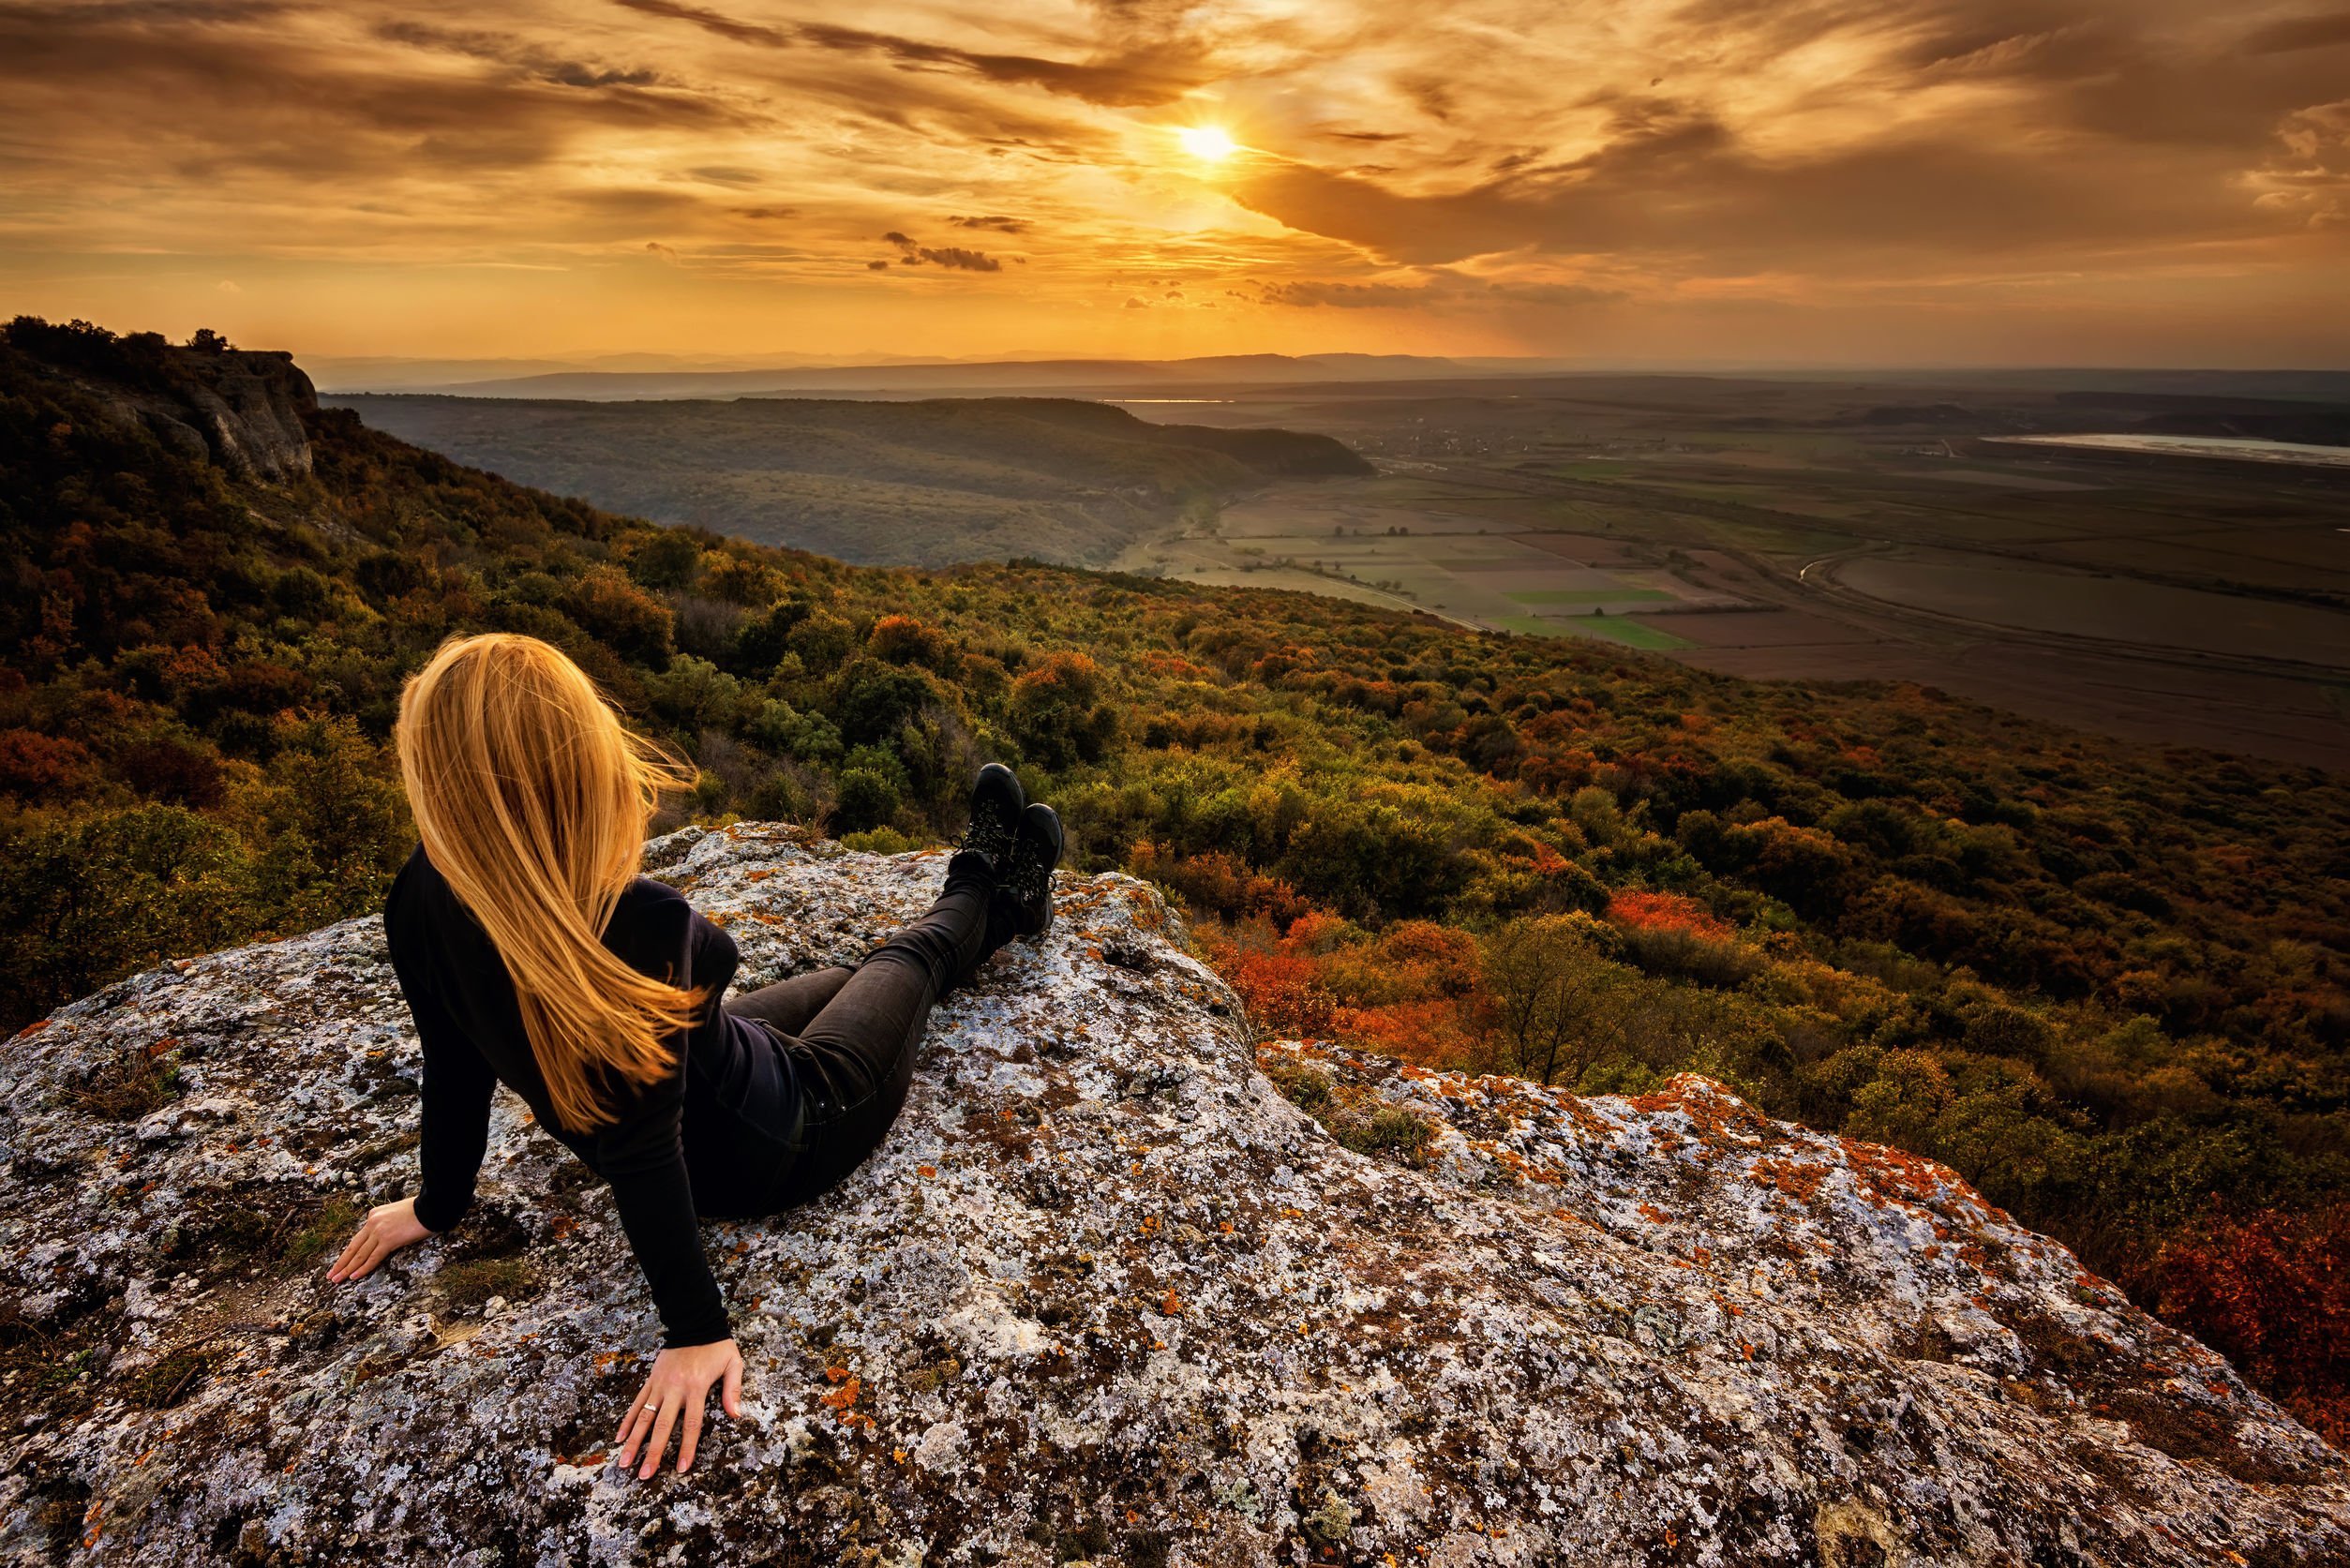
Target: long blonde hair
[532, 799]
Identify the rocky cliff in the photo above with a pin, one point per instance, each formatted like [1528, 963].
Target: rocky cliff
[1105, 1294]
[244, 410]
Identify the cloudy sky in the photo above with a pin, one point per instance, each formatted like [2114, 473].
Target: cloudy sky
[1627, 181]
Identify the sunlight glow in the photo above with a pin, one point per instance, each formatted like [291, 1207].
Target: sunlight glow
[1209, 144]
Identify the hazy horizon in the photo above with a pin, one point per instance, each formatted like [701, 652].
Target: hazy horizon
[1960, 183]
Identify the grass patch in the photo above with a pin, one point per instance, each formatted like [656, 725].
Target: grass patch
[169, 1380]
[226, 1227]
[880, 840]
[129, 1086]
[332, 1227]
[1532, 626]
[472, 1283]
[1631, 634]
[1391, 1133]
[1306, 1088]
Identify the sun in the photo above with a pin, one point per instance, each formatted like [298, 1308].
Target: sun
[1209, 144]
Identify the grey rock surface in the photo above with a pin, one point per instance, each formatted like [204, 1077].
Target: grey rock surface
[241, 408]
[1104, 1295]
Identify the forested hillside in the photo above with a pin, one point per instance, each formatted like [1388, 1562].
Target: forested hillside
[929, 483]
[2106, 984]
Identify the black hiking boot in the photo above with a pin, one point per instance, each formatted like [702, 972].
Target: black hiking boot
[1024, 900]
[996, 802]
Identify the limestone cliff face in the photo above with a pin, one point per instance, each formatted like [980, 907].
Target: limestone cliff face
[242, 409]
[1103, 1295]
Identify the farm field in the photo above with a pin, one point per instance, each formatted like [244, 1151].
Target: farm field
[1846, 530]
[2080, 604]
[1414, 546]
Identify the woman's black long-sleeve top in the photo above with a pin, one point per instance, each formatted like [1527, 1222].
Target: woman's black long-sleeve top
[674, 1141]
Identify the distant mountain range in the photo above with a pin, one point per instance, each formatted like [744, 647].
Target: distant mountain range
[601, 383]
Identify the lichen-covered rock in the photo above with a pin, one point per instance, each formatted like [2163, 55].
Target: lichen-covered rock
[1104, 1294]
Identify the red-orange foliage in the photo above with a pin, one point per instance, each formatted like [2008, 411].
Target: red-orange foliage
[904, 639]
[2271, 1291]
[1282, 991]
[32, 763]
[1409, 992]
[1218, 883]
[1665, 912]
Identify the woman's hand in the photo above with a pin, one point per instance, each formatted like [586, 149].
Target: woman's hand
[387, 1228]
[679, 1382]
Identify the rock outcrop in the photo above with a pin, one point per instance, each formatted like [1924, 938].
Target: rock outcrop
[242, 409]
[1104, 1295]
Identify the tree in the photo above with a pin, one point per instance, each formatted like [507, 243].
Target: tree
[1552, 993]
[1058, 713]
[610, 608]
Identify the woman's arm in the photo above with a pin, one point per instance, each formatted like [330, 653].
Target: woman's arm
[453, 1110]
[645, 1163]
[453, 1127]
[644, 1160]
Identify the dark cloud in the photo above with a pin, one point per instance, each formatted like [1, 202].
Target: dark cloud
[1136, 302]
[765, 212]
[876, 266]
[515, 54]
[196, 102]
[957, 258]
[2101, 170]
[954, 257]
[999, 224]
[2329, 30]
[713, 22]
[1142, 79]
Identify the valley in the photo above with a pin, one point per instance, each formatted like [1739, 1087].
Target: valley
[2129, 553]
[1783, 530]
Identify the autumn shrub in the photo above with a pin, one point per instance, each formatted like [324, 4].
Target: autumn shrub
[2271, 1291]
[613, 610]
[94, 897]
[41, 766]
[1059, 712]
[1280, 987]
[1216, 883]
[904, 639]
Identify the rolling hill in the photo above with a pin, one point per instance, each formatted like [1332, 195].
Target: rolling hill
[927, 483]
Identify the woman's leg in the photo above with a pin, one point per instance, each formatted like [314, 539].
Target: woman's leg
[854, 1061]
[790, 1004]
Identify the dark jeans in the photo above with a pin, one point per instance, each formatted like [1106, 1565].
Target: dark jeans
[849, 1037]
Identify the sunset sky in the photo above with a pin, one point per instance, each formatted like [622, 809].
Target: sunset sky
[1623, 181]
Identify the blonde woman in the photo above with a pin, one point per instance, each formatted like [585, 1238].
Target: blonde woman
[532, 954]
